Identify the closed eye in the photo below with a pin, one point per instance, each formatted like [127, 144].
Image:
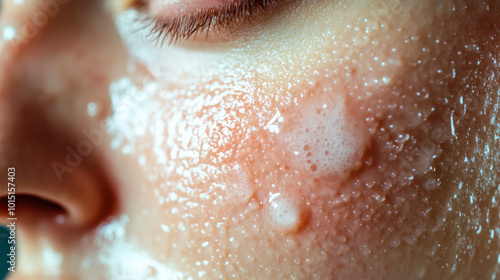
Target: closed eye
[180, 23]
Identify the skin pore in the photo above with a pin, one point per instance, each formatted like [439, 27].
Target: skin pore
[323, 140]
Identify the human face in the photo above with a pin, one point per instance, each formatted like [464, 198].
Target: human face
[309, 139]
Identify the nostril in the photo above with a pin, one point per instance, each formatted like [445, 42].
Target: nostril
[80, 203]
[33, 209]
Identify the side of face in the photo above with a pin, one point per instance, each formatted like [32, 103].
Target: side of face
[338, 139]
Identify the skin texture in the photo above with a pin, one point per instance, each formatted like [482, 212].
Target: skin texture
[324, 140]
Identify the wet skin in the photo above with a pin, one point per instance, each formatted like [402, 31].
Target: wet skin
[326, 140]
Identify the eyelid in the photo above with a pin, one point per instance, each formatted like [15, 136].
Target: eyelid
[180, 25]
[171, 8]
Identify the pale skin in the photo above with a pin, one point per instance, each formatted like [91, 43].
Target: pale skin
[325, 140]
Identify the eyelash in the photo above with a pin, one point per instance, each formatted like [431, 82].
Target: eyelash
[188, 26]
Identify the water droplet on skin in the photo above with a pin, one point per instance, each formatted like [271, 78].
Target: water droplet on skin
[402, 138]
[91, 109]
[431, 184]
[234, 243]
[379, 198]
[286, 212]
[165, 228]
[290, 243]
[394, 242]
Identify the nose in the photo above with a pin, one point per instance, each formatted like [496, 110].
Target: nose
[54, 73]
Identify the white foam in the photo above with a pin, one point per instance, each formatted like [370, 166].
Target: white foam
[323, 139]
[240, 189]
[122, 259]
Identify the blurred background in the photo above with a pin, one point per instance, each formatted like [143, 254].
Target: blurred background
[4, 250]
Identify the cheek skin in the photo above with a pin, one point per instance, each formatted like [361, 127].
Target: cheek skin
[337, 171]
[221, 170]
